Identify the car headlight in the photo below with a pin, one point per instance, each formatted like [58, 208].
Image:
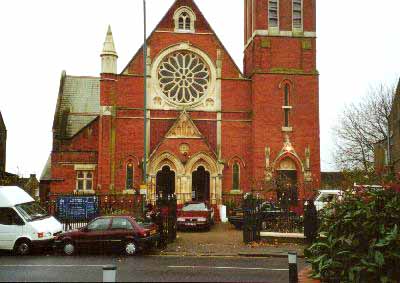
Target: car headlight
[202, 219]
[181, 219]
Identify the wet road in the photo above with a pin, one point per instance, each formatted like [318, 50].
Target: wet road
[144, 268]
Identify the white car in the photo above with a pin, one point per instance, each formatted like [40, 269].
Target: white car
[23, 223]
[326, 196]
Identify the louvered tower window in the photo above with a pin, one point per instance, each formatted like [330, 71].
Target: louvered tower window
[297, 14]
[273, 13]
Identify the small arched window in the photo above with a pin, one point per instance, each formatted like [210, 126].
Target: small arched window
[129, 175]
[236, 177]
[184, 20]
[286, 105]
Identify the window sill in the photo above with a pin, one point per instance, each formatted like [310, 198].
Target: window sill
[129, 192]
[287, 129]
[298, 32]
[86, 192]
[184, 31]
[236, 192]
[273, 31]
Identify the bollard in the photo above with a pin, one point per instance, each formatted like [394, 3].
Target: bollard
[109, 273]
[293, 276]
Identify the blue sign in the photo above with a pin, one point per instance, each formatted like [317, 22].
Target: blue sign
[77, 207]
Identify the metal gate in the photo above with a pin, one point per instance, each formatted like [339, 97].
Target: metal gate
[166, 218]
[251, 219]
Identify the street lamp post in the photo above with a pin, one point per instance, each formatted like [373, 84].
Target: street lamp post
[145, 93]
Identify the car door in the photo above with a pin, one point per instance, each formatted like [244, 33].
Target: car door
[11, 228]
[92, 236]
[121, 229]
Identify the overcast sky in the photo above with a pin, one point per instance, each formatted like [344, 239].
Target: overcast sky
[358, 47]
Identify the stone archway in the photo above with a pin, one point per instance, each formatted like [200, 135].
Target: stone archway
[287, 182]
[170, 178]
[165, 181]
[201, 184]
[210, 165]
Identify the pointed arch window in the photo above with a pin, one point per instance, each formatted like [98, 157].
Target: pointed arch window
[184, 20]
[129, 176]
[286, 108]
[236, 177]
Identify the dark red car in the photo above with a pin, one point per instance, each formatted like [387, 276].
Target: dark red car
[103, 233]
[195, 215]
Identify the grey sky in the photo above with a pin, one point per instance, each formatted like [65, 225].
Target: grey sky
[358, 47]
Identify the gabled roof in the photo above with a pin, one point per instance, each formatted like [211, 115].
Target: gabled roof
[183, 128]
[78, 104]
[169, 15]
[2, 124]
[46, 173]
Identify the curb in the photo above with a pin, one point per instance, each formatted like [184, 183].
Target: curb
[240, 254]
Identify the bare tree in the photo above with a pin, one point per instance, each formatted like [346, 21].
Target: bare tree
[360, 127]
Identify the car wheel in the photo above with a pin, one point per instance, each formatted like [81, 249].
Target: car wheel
[22, 247]
[69, 248]
[130, 248]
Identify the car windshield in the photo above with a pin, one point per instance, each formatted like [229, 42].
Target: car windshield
[327, 198]
[195, 207]
[31, 211]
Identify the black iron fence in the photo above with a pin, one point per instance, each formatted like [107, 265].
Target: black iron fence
[76, 210]
[271, 216]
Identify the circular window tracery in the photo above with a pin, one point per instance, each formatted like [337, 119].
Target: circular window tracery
[184, 77]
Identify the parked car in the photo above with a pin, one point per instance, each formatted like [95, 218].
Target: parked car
[24, 225]
[270, 212]
[110, 232]
[195, 215]
[326, 196]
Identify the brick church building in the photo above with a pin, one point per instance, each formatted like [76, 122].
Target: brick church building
[212, 130]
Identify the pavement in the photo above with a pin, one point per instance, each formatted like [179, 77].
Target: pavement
[224, 240]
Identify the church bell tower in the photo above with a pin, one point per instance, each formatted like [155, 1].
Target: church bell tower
[280, 59]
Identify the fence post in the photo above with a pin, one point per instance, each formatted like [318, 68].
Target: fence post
[293, 275]
[109, 273]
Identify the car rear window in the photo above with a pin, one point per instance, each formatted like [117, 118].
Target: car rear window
[195, 207]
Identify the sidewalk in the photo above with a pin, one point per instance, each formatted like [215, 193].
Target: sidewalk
[225, 240]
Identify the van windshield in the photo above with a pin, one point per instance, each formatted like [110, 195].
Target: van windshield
[31, 211]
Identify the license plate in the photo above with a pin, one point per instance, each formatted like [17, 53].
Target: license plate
[239, 214]
[191, 224]
[152, 232]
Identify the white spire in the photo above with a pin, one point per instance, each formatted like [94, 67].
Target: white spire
[109, 55]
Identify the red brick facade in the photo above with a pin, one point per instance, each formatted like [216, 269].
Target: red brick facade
[244, 121]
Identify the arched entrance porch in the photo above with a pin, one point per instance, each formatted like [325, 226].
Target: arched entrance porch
[200, 174]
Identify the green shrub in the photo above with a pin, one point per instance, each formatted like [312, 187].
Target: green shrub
[359, 238]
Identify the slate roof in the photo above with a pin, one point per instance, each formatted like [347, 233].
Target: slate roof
[46, 173]
[78, 104]
[2, 124]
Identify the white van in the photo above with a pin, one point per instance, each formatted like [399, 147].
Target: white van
[326, 196]
[23, 223]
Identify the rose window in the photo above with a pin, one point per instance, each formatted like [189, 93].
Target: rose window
[184, 77]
